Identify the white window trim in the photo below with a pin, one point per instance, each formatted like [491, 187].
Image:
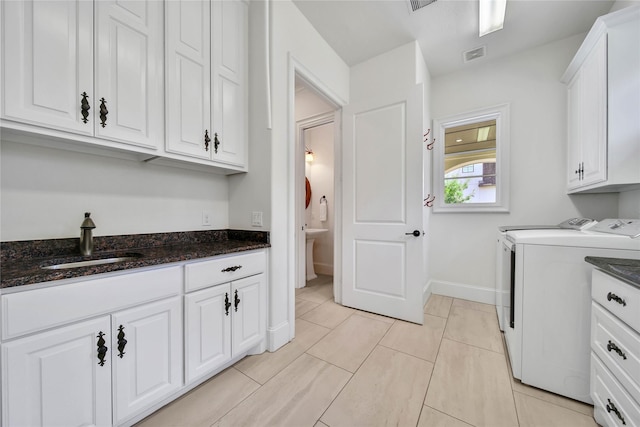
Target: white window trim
[501, 115]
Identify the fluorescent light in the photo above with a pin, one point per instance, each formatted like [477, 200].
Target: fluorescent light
[491, 15]
[483, 133]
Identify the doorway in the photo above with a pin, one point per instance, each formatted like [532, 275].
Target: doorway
[317, 200]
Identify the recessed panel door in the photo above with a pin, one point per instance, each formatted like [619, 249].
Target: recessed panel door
[382, 184]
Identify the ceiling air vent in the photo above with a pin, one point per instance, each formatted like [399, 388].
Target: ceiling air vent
[473, 54]
[418, 4]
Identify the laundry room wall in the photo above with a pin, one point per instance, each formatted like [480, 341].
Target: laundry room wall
[462, 244]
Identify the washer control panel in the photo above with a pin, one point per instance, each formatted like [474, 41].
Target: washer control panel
[623, 227]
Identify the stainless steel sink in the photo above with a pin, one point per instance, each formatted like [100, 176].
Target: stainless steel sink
[92, 262]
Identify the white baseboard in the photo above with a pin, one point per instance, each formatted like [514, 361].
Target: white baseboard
[321, 268]
[277, 336]
[459, 290]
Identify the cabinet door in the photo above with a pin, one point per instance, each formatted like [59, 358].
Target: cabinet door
[593, 104]
[229, 80]
[574, 151]
[129, 77]
[207, 330]
[54, 378]
[48, 63]
[149, 368]
[248, 326]
[188, 85]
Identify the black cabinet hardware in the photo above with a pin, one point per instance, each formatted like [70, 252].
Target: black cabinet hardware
[227, 304]
[103, 112]
[615, 410]
[121, 341]
[102, 348]
[85, 107]
[207, 140]
[616, 298]
[234, 268]
[216, 143]
[415, 233]
[236, 301]
[614, 347]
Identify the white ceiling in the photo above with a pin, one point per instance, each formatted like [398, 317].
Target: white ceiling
[361, 29]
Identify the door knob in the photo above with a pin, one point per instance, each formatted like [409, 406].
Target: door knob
[416, 233]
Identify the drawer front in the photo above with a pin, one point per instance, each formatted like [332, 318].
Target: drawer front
[618, 347]
[199, 275]
[618, 297]
[612, 405]
[32, 311]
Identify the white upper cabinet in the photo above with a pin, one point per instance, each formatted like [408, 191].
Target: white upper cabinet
[206, 59]
[587, 158]
[229, 81]
[604, 106]
[48, 64]
[188, 87]
[129, 72]
[50, 79]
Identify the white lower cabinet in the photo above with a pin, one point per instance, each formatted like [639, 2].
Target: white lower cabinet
[223, 322]
[55, 378]
[146, 353]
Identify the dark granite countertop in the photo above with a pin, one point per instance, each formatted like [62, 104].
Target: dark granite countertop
[627, 270]
[22, 262]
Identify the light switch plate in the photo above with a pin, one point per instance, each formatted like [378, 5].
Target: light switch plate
[256, 219]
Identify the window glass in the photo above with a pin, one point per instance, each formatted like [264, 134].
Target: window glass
[471, 167]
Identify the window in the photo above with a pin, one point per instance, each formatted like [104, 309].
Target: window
[471, 163]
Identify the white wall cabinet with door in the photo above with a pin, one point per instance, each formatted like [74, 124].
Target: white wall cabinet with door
[226, 317]
[206, 68]
[85, 68]
[603, 106]
[61, 365]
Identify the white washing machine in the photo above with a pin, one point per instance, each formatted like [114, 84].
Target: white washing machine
[548, 332]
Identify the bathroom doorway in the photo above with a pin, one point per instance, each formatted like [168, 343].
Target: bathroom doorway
[317, 193]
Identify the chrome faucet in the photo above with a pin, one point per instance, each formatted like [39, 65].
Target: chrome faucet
[86, 237]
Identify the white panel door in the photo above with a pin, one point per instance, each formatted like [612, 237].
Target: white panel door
[149, 367]
[229, 75]
[55, 378]
[48, 63]
[207, 330]
[248, 320]
[383, 202]
[129, 77]
[188, 86]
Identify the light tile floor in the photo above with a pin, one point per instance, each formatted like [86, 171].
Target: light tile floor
[351, 368]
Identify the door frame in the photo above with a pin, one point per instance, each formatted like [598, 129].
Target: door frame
[302, 126]
[296, 187]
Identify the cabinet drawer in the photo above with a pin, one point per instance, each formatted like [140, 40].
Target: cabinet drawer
[31, 311]
[621, 299]
[199, 275]
[609, 397]
[618, 347]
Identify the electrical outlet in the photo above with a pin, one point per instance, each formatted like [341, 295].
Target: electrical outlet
[206, 218]
[256, 219]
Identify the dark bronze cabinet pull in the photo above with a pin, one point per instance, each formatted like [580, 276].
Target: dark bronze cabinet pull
[216, 143]
[234, 268]
[615, 410]
[207, 140]
[616, 298]
[121, 341]
[227, 304]
[85, 107]
[103, 112]
[236, 300]
[614, 347]
[102, 348]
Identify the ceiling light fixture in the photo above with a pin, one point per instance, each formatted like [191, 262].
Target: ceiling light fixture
[491, 15]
